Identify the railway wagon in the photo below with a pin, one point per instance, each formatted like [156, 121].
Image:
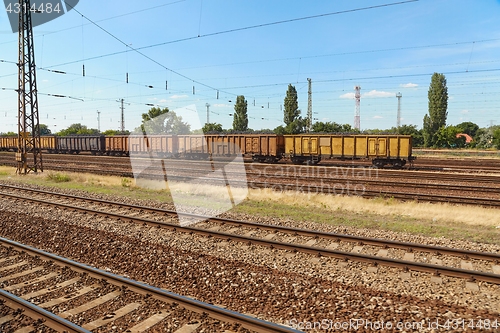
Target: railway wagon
[265, 147]
[48, 143]
[192, 146]
[95, 144]
[382, 150]
[159, 145]
[261, 147]
[117, 145]
[8, 143]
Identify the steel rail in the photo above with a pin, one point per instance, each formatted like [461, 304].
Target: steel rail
[466, 254]
[31, 310]
[373, 260]
[383, 172]
[191, 304]
[432, 162]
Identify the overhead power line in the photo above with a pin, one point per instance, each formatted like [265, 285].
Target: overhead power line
[230, 30]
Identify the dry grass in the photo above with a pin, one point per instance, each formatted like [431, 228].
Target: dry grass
[437, 220]
[385, 207]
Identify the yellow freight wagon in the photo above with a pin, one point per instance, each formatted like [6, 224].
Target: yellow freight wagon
[48, 143]
[382, 150]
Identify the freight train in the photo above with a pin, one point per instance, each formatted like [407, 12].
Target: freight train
[382, 150]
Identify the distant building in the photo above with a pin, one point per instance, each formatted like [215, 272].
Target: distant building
[468, 138]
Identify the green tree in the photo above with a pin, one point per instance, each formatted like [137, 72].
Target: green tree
[240, 120]
[496, 138]
[417, 138]
[485, 137]
[163, 121]
[280, 130]
[291, 106]
[469, 128]
[212, 128]
[328, 127]
[78, 129]
[44, 130]
[298, 126]
[438, 108]
[111, 132]
[446, 137]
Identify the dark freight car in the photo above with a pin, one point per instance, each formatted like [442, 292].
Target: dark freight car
[76, 144]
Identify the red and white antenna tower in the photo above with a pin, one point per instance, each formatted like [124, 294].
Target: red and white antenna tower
[357, 113]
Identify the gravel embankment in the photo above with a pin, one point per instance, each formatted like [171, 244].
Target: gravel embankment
[274, 285]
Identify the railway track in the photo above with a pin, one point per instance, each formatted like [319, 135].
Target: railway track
[18, 312]
[78, 294]
[120, 165]
[469, 265]
[421, 164]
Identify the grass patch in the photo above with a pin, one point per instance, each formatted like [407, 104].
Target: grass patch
[58, 177]
[435, 220]
[106, 185]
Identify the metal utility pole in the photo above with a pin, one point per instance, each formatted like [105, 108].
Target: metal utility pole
[309, 107]
[357, 112]
[28, 120]
[99, 121]
[398, 95]
[122, 127]
[208, 112]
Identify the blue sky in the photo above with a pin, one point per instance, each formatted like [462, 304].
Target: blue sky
[384, 50]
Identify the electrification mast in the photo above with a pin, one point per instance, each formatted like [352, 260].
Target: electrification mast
[309, 107]
[357, 112]
[122, 123]
[208, 112]
[398, 95]
[28, 120]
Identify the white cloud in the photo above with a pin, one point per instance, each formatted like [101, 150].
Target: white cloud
[377, 117]
[178, 96]
[347, 95]
[162, 101]
[376, 93]
[464, 111]
[222, 105]
[409, 85]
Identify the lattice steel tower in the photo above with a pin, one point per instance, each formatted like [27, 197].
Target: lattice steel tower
[28, 120]
[309, 107]
[357, 113]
